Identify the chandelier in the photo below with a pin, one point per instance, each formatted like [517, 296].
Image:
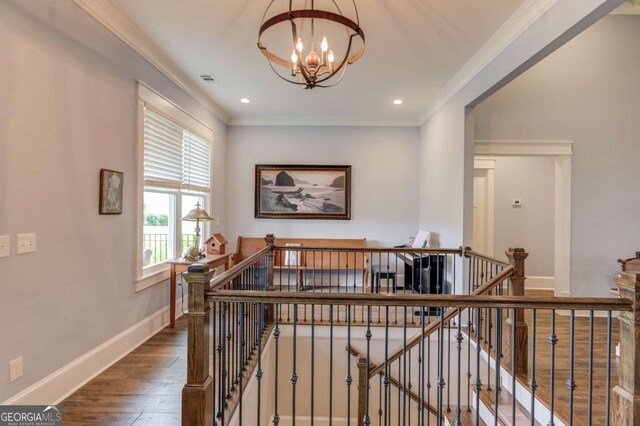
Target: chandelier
[307, 66]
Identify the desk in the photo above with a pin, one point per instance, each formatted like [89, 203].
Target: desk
[180, 265]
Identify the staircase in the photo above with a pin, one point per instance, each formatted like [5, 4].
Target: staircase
[488, 355]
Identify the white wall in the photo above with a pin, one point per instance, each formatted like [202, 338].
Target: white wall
[588, 92]
[68, 109]
[384, 204]
[532, 180]
[446, 149]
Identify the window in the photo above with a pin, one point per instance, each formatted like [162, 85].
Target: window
[175, 176]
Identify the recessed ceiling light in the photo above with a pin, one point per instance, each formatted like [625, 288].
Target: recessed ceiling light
[245, 100]
[397, 102]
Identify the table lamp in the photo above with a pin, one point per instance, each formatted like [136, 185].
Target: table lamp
[196, 215]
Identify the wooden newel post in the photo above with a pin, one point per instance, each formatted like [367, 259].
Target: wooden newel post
[363, 383]
[520, 346]
[270, 240]
[197, 394]
[625, 407]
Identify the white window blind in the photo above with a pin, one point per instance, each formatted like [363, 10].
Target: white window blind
[174, 157]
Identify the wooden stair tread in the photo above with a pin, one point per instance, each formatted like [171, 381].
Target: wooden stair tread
[505, 401]
[467, 418]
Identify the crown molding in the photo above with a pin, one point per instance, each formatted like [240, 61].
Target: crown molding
[107, 15]
[319, 121]
[514, 27]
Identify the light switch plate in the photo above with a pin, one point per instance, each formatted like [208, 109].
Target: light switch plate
[5, 251]
[517, 202]
[15, 369]
[25, 243]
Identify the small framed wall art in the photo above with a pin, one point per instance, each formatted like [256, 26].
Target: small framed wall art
[111, 183]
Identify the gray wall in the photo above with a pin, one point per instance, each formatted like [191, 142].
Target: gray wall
[531, 225]
[384, 204]
[68, 109]
[587, 91]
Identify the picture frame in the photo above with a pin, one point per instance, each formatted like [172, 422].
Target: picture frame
[302, 192]
[110, 192]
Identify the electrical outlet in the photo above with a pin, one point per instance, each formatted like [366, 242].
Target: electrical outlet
[25, 243]
[4, 246]
[15, 369]
[516, 202]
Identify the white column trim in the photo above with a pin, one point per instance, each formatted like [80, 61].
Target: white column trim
[524, 148]
[562, 151]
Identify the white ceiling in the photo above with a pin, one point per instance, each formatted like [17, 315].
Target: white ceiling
[414, 47]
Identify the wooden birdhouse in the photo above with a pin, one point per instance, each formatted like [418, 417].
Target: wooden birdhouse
[216, 244]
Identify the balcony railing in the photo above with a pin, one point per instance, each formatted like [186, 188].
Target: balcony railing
[476, 350]
[155, 247]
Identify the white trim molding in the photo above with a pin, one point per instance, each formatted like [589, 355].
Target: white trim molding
[524, 148]
[487, 166]
[57, 386]
[107, 15]
[516, 25]
[562, 152]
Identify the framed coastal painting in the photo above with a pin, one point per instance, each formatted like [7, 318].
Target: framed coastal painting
[303, 192]
[110, 192]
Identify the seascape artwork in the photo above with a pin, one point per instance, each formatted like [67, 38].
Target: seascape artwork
[304, 192]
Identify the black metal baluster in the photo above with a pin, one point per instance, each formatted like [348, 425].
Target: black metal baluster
[553, 340]
[313, 358]
[571, 383]
[387, 396]
[514, 353]
[240, 361]
[532, 383]
[348, 379]
[368, 335]
[590, 397]
[404, 368]
[478, 384]
[459, 339]
[294, 374]
[441, 381]
[497, 361]
[330, 364]
[276, 338]
[608, 379]
[259, 372]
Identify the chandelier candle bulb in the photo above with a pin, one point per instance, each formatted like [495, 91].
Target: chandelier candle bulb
[299, 45]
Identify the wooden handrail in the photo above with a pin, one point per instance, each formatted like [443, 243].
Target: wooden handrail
[421, 301]
[468, 252]
[370, 249]
[236, 270]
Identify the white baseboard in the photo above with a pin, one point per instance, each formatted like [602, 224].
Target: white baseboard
[546, 283]
[60, 384]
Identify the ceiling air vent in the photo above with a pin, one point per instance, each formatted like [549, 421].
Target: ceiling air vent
[208, 78]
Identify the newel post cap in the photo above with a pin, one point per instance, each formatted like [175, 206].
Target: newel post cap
[517, 254]
[270, 239]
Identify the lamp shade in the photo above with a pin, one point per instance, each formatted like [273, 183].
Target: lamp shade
[197, 214]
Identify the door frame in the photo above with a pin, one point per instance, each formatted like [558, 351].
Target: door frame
[562, 152]
[487, 165]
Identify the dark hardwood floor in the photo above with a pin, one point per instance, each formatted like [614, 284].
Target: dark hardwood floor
[143, 388]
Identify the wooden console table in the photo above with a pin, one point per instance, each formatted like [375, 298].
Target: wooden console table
[180, 265]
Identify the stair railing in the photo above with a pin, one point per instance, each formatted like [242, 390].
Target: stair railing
[242, 319]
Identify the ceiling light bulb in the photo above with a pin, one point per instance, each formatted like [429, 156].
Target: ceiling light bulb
[299, 45]
[324, 45]
[331, 57]
[397, 102]
[245, 100]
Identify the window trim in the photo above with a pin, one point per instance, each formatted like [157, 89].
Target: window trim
[153, 100]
